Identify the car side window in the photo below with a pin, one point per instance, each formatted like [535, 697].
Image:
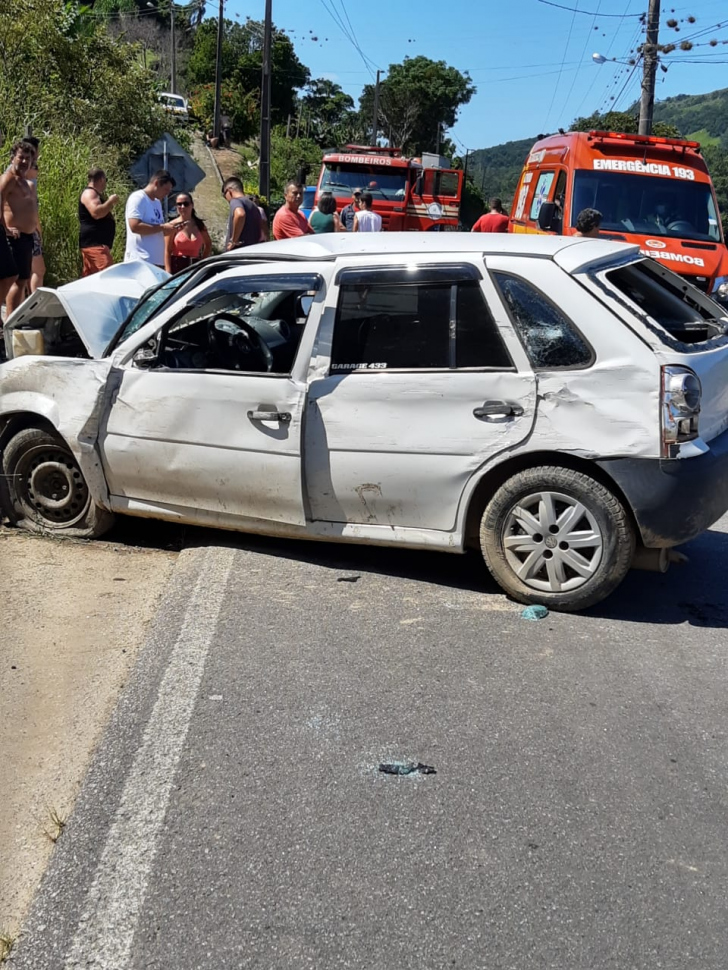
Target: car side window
[550, 338]
[419, 326]
[244, 324]
[541, 192]
[478, 342]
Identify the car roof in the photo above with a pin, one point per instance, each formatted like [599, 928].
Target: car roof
[571, 252]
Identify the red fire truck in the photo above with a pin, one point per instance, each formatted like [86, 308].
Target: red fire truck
[417, 194]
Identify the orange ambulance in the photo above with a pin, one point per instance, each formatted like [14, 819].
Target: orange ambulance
[652, 191]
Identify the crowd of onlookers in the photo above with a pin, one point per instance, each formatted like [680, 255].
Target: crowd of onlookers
[170, 243]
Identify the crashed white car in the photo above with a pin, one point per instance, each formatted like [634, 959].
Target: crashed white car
[560, 403]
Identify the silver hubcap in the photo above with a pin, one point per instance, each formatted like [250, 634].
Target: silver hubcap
[552, 542]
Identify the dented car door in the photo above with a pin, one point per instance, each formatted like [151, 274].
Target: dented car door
[205, 418]
[424, 384]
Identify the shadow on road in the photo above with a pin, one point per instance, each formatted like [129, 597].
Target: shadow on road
[694, 592]
[691, 593]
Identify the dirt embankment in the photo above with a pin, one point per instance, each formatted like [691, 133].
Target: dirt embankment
[74, 617]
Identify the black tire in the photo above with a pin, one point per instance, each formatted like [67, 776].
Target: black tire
[515, 537]
[44, 490]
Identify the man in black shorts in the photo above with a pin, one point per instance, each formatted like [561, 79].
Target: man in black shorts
[18, 220]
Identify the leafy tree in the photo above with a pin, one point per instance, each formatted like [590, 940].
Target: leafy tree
[201, 64]
[621, 121]
[415, 97]
[89, 100]
[242, 64]
[290, 158]
[241, 107]
[329, 112]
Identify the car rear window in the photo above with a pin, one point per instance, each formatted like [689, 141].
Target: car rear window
[678, 307]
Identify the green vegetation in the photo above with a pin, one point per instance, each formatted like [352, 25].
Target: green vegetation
[697, 114]
[415, 97]
[104, 114]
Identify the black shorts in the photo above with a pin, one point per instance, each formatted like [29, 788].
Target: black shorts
[7, 260]
[22, 249]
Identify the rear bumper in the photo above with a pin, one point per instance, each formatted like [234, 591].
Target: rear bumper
[674, 500]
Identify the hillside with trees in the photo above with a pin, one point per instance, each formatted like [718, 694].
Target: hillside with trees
[702, 117]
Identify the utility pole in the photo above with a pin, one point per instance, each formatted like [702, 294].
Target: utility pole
[265, 99]
[375, 119]
[437, 140]
[649, 62]
[465, 166]
[218, 73]
[173, 79]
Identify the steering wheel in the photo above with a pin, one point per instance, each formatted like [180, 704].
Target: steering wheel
[228, 334]
[680, 225]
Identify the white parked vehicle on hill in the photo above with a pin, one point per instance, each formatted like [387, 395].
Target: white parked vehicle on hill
[560, 403]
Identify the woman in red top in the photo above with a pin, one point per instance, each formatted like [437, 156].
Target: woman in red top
[191, 242]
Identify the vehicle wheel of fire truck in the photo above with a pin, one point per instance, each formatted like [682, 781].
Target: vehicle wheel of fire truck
[45, 491]
[556, 537]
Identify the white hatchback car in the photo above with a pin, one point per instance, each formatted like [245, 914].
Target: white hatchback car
[560, 403]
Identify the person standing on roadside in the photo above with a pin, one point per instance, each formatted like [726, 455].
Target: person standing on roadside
[19, 220]
[349, 212]
[38, 266]
[288, 221]
[145, 225]
[192, 240]
[97, 227]
[366, 220]
[243, 228]
[494, 221]
[264, 228]
[324, 217]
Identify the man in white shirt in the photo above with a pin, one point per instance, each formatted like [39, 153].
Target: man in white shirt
[145, 225]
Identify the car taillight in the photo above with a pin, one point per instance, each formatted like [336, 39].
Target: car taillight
[681, 393]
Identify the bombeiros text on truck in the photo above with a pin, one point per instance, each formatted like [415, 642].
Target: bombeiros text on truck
[650, 190]
[410, 194]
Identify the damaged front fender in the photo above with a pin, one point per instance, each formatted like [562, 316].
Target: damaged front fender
[33, 386]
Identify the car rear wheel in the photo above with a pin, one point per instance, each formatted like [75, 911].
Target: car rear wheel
[44, 489]
[557, 537]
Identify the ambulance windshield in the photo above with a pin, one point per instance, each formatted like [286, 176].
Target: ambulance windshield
[343, 179]
[648, 205]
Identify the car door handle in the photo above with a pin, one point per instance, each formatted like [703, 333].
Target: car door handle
[498, 409]
[283, 416]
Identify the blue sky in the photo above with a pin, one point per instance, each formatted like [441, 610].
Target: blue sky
[531, 61]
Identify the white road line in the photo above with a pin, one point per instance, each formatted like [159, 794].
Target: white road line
[106, 929]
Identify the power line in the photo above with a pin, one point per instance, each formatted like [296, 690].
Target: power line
[350, 36]
[583, 52]
[609, 48]
[563, 61]
[590, 13]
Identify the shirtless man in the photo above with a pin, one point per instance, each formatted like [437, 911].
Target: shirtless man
[18, 219]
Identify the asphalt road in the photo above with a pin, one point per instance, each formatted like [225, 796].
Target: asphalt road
[235, 816]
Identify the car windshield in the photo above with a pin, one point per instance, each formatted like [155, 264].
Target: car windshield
[649, 205]
[343, 179]
[151, 301]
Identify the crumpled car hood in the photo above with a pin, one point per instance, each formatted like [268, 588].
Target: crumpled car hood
[96, 305]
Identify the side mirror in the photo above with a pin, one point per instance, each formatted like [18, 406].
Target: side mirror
[145, 357]
[546, 215]
[304, 305]
[419, 185]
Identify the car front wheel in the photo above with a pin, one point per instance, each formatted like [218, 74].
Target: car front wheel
[44, 489]
[557, 537]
